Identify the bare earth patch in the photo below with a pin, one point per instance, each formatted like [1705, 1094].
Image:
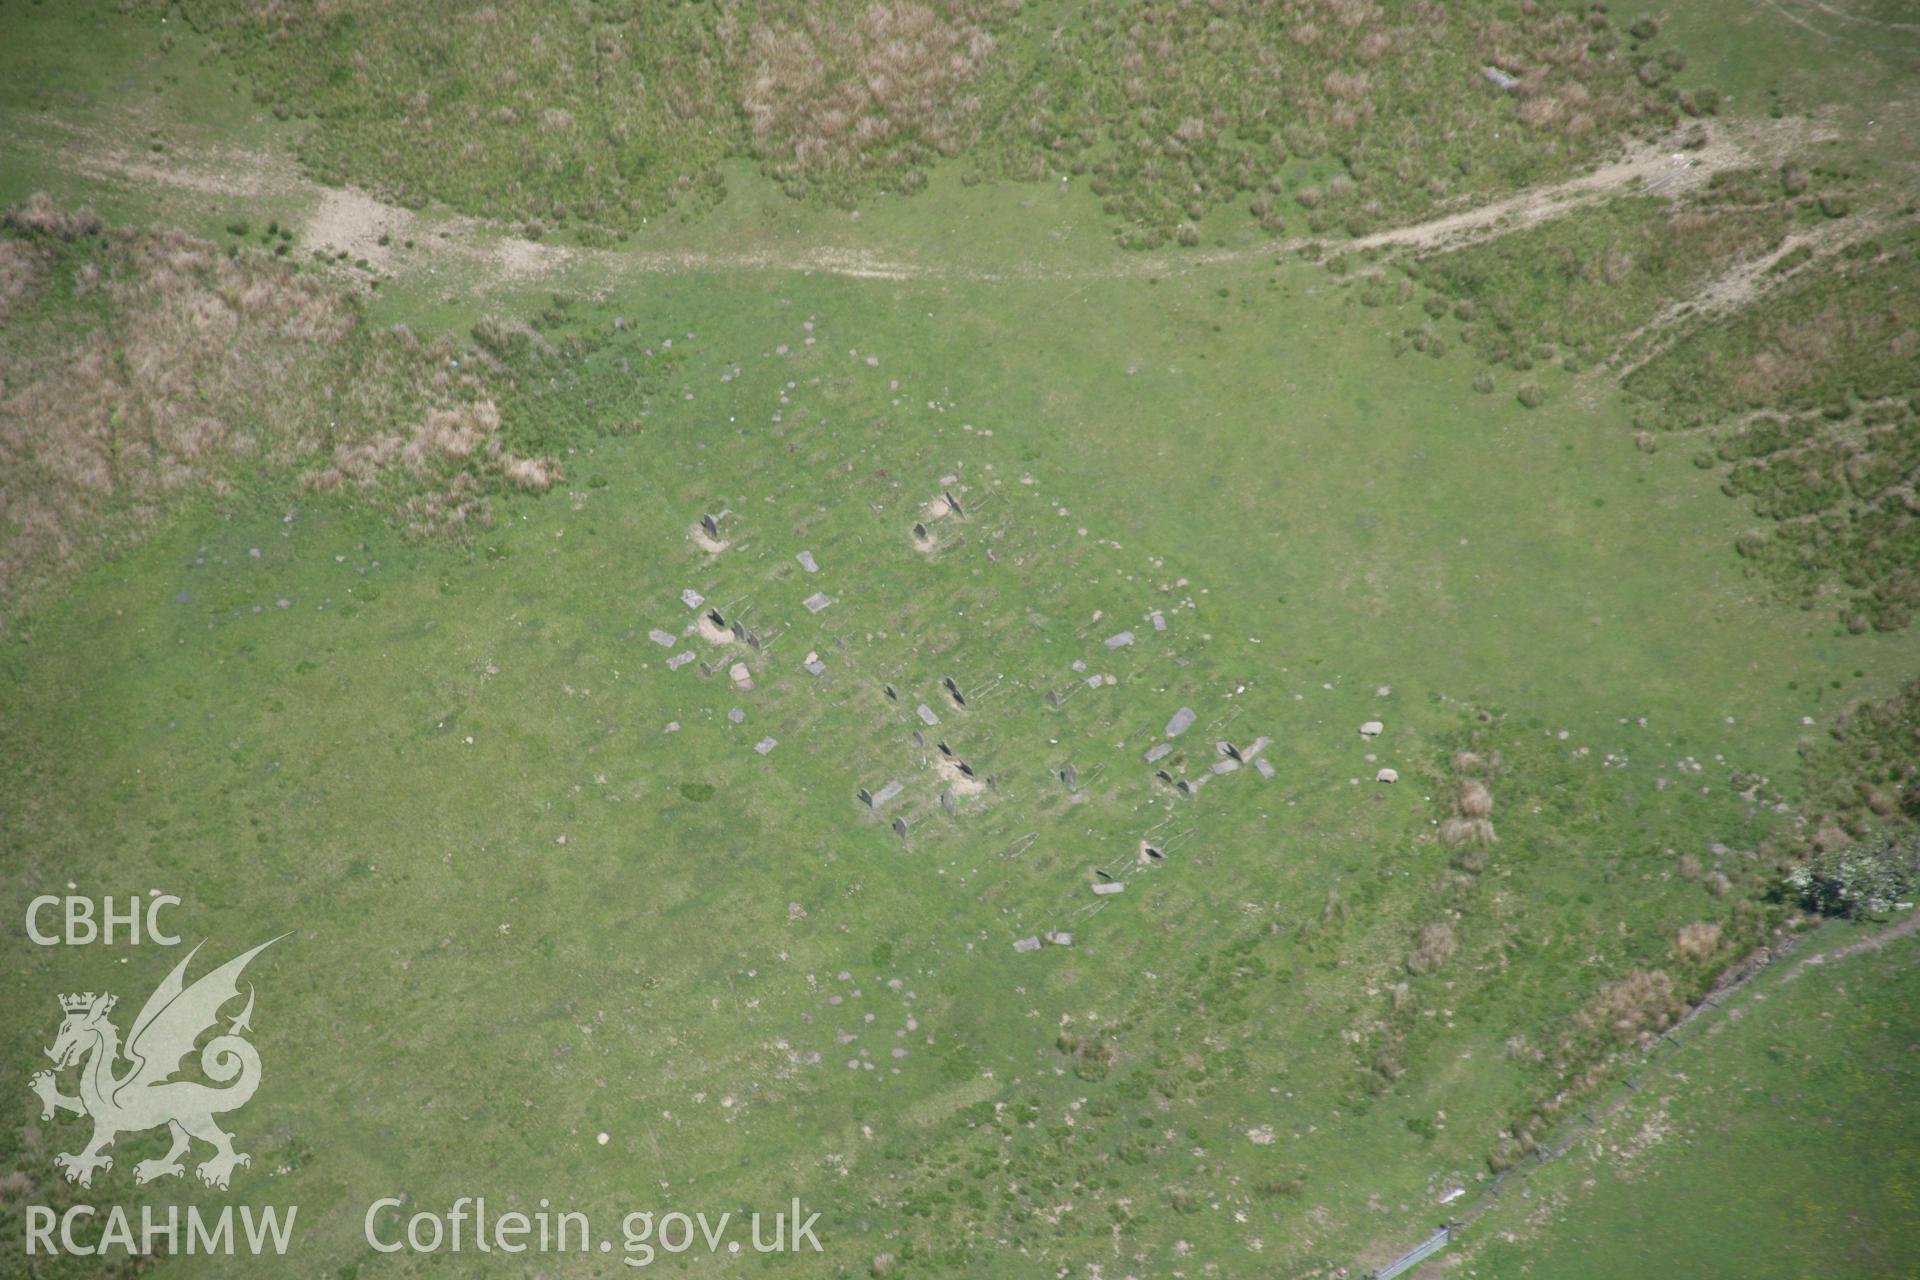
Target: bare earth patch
[706, 542]
[959, 783]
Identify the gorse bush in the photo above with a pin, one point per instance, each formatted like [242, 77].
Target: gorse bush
[1863, 879]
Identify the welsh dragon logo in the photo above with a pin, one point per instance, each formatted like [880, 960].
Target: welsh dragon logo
[145, 1095]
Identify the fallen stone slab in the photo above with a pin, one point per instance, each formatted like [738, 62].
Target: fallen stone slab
[1026, 944]
[1182, 720]
[807, 562]
[664, 639]
[1119, 641]
[765, 745]
[679, 660]
[926, 715]
[885, 794]
[1265, 766]
[1111, 886]
[692, 599]
[1158, 751]
[817, 601]
[817, 668]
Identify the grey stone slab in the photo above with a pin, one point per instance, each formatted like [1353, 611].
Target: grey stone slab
[1182, 720]
[816, 602]
[1120, 640]
[885, 794]
[664, 639]
[1158, 751]
[1159, 622]
[692, 599]
[736, 715]
[1110, 886]
[817, 668]
[765, 745]
[926, 715]
[1265, 766]
[1225, 766]
[807, 562]
[679, 660]
[1026, 944]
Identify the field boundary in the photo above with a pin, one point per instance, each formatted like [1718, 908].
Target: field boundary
[1484, 1196]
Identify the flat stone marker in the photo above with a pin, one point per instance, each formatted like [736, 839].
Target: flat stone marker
[1182, 721]
[1371, 729]
[679, 660]
[807, 562]
[1265, 766]
[1225, 766]
[1026, 944]
[816, 602]
[1110, 886]
[1093, 682]
[664, 639]
[1120, 641]
[885, 794]
[817, 668]
[736, 715]
[1255, 747]
[1159, 622]
[1079, 665]
[1158, 751]
[926, 715]
[765, 745]
[692, 599]
[1060, 938]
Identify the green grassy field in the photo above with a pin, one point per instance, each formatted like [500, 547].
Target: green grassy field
[541, 886]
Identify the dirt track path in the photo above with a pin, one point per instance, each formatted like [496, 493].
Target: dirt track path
[356, 222]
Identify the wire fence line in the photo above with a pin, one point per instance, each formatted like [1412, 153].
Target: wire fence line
[1485, 1195]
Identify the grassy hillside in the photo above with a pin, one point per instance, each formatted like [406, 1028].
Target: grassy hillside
[1779, 1122]
[1306, 114]
[347, 545]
